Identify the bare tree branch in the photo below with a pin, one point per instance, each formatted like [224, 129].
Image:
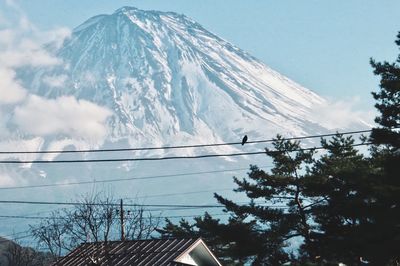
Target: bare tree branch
[90, 221]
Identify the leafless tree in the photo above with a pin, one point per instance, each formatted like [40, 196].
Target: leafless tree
[93, 219]
[17, 255]
[140, 224]
[51, 232]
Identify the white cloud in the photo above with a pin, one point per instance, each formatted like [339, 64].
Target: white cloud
[21, 44]
[7, 36]
[11, 90]
[27, 53]
[66, 115]
[19, 47]
[15, 144]
[64, 143]
[343, 114]
[55, 81]
[4, 131]
[56, 36]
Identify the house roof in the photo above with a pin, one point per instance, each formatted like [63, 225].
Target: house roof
[162, 252]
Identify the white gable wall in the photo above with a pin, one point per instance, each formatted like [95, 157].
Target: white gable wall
[187, 259]
[198, 255]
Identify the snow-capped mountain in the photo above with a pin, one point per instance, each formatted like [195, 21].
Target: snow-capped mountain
[165, 80]
[168, 80]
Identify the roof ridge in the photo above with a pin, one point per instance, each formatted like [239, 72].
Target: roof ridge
[142, 240]
[154, 251]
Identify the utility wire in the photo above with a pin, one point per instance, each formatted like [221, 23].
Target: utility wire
[183, 146]
[124, 179]
[36, 213]
[15, 238]
[197, 192]
[130, 159]
[147, 196]
[161, 158]
[162, 217]
[183, 206]
[108, 204]
[183, 193]
[117, 218]
[16, 234]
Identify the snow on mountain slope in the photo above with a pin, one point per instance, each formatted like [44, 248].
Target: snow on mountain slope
[170, 81]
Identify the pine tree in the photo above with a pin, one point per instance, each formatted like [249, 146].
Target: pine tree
[341, 179]
[386, 153]
[388, 103]
[277, 201]
[323, 203]
[262, 231]
[360, 219]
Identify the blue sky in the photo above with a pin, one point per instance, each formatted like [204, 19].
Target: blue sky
[323, 45]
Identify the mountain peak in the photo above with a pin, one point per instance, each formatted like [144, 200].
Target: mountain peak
[136, 11]
[164, 76]
[125, 9]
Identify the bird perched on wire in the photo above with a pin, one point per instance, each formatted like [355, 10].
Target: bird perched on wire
[244, 140]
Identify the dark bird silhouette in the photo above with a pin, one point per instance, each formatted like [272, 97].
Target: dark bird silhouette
[244, 140]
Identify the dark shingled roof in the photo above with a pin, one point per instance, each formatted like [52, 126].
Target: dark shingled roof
[160, 252]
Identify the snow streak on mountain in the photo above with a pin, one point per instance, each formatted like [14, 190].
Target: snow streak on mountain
[170, 81]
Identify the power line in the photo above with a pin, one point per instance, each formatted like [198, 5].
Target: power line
[11, 237]
[160, 158]
[198, 192]
[183, 193]
[108, 204]
[183, 146]
[147, 196]
[50, 217]
[15, 236]
[38, 212]
[167, 206]
[190, 216]
[162, 217]
[124, 179]
[130, 159]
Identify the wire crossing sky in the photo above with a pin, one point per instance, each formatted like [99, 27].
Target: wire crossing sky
[124, 179]
[160, 158]
[186, 146]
